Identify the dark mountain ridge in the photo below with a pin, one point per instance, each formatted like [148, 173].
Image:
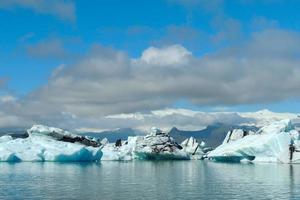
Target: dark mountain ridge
[212, 135]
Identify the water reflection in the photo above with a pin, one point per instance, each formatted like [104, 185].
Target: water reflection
[149, 180]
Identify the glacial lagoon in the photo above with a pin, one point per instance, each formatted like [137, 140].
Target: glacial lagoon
[149, 180]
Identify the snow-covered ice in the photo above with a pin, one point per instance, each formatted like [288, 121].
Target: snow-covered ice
[41, 146]
[193, 148]
[120, 153]
[269, 144]
[5, 138]
[157, 145]
[236, 134]
[53, 144]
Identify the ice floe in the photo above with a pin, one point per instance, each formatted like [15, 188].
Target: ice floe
[157, 145]
[49, 144]
[271, 143]
[193, 148]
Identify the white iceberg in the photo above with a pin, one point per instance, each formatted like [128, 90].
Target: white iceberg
[104, 141]
[193, 148]
[269, 144]
[236, 134]
[47, 144]
[124, 152]
[5, 138]
[62, 135]
[157, 145]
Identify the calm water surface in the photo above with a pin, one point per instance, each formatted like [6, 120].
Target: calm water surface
[149, 180]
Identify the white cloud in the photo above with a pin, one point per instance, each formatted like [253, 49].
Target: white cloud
[186, 119]
[64, 9]
[108, 82]
[12, 121]
[137, 116]
[7, 99]
[171, 55]
[183, 119]
[169, 111]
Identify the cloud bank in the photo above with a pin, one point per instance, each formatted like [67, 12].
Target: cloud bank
[106, 82]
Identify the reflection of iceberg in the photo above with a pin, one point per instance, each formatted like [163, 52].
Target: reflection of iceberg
[269, 144]
[49, 144]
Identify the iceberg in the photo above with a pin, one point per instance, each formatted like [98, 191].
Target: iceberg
[276, 142]
[157, 145]
[193, 148]
[5, 138]
[49, 144]
[44, 143]
[122, 152]
[236, 134]
[62, 135]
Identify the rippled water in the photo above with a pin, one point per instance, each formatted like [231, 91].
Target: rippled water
[149, 180]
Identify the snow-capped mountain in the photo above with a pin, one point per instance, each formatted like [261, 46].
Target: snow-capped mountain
[264, 117]
[191, 120]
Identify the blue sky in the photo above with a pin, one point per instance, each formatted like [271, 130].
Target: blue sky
[39, 37]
